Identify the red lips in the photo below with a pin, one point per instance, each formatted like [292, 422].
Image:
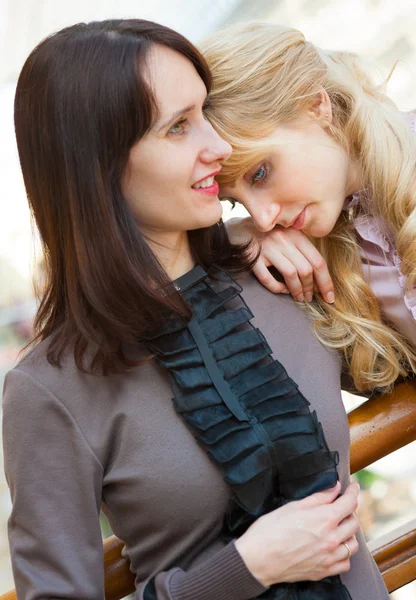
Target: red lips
[205, 176]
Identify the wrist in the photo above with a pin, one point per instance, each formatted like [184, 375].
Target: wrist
[252, 561]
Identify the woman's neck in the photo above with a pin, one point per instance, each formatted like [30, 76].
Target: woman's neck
[355, 178]
[172, 251]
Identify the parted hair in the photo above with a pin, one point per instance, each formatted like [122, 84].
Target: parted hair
[81, 104]
[264, 75]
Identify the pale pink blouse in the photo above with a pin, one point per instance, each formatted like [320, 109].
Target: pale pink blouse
[381, 267]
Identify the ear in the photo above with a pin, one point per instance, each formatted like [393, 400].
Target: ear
[320, 108]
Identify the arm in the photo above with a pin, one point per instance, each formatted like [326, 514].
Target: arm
[291, 252]
[55, 484]
[55, 481]
[224, 576]
[303, 540]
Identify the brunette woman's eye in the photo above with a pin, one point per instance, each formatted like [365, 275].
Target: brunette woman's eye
[260, 174]
[179, 127]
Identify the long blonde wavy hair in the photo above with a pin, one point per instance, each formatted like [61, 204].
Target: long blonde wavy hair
[264, 75]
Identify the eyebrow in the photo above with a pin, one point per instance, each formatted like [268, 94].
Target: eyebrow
[175, 115]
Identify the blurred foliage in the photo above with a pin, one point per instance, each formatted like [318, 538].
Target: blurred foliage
[366, 478]
[106, 530]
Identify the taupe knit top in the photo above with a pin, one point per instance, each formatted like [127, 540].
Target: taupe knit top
[75, 442]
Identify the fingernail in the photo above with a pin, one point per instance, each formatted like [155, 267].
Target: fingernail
[308, 297]
[285, 291]
[300, 298]
[330, 297]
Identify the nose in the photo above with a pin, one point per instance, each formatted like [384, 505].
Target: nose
[215, 148]
[264, 216]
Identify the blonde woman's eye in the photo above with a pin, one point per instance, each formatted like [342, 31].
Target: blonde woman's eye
[259, 175]
[179, 127]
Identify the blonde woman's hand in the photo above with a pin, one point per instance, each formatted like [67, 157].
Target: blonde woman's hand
[302, 267]
[303, 540]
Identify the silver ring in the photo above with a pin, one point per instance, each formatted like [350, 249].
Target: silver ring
[348, 549]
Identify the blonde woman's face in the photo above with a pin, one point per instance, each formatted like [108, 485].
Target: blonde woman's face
[302, 182]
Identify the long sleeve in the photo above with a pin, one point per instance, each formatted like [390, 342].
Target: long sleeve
[55, 481]
[73, 441]
[222, 577]
[55, 484]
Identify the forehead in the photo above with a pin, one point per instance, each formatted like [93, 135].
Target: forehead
[173, 78]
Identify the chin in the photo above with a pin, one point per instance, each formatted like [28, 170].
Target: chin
[315, 232]
[205, 223]
[318, 230]
[212, 219]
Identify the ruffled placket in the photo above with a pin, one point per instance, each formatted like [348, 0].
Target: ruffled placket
[246, 412]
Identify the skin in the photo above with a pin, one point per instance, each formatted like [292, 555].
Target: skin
[179, 150]
[320, 520]
[304, 539]
[307, 170]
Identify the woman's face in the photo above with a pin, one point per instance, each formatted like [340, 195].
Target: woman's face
[302, 182]
[169, 180]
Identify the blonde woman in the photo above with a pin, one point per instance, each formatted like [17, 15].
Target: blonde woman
[325, 164]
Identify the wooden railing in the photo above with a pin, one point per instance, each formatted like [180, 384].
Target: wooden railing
[378, 427]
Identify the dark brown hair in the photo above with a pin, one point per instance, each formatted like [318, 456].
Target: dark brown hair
[81, 104]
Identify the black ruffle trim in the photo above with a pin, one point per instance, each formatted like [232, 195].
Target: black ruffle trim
[246, 412]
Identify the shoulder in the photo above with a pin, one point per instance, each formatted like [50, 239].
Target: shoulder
[35, 386]
[282, 319]
[85, 408]
[32, 371]
[35, 377]
[281, 308]
[93, 401]
[36, 389]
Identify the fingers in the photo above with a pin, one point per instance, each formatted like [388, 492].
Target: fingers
[321, 277]
[266, 278]
[347, 528]
[341, 557]
[324, 283]
[346, 504]
[353, 488]
[338, 568]
[302, 266]
[297, 272]
[347, 549]
[352, 544]
[325, 497]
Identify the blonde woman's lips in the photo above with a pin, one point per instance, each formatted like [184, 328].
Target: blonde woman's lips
[300, 220]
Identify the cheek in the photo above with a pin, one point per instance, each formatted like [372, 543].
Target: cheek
[293, 181]
[157, 165]
[293, 190]
[322, 218]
